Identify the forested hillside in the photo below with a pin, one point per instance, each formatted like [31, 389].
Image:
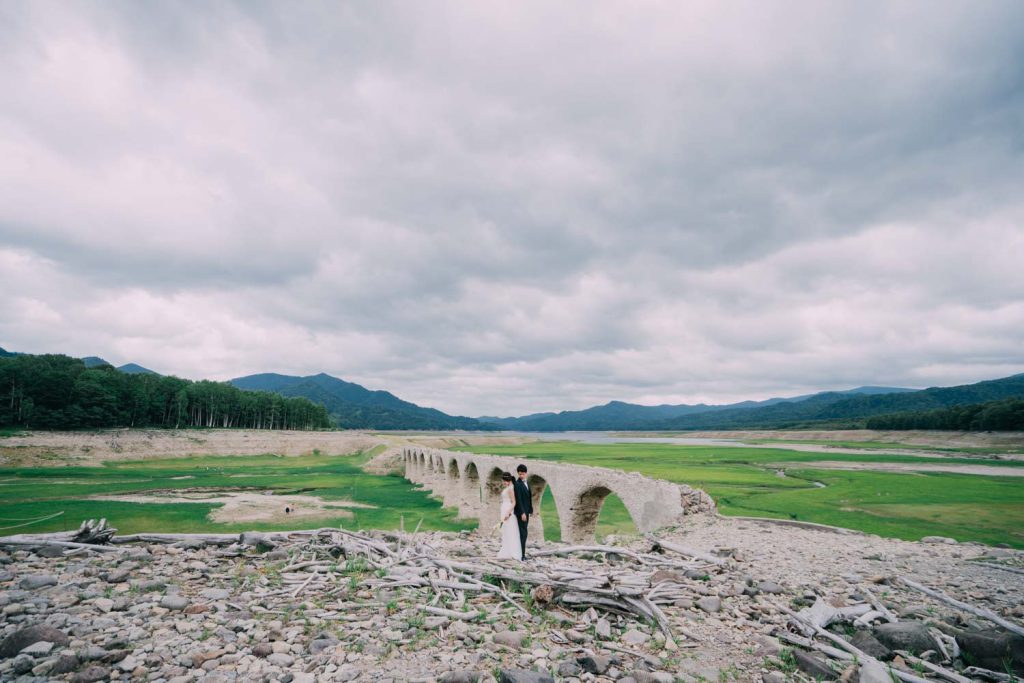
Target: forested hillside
[59, 392]
[994, 416]
[353, 406]
[838, 410]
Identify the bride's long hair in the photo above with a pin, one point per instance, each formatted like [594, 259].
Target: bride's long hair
[507, 478]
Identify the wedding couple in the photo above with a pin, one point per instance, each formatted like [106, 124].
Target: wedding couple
[516, 508]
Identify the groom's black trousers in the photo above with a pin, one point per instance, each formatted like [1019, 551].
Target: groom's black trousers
[522, 531]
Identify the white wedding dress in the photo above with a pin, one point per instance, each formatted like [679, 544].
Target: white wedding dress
[511, 549]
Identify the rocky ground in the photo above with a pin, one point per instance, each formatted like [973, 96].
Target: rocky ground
[189, 611]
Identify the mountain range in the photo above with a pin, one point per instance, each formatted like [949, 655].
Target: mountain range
[352, 406]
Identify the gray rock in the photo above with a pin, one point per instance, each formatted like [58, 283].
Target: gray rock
[281, 659]
[594, 664]
[938, 539]
[174, 602]
[318, 646]
[774, 677]
[710, 603]
[510, 638]
[37, 649]
[461, 676]
[22, 664]
[653, 677]
[65, 664]
[769, 587]
[993, 649]
[603, 629]
[19, 640]
[216, 593]
[523, 676]
[91, 674]
[912, 636]
[814, 667]
[34, 581]
[635, 638]
[875, 672]
[263, 649]
[433, 623]
[569, 668]
[865, 641]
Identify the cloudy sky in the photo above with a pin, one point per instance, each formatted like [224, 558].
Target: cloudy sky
[511, 207]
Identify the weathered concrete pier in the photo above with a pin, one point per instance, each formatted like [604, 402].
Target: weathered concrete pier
[472, 483]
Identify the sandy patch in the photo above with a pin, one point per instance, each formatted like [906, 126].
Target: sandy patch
[56, 449]
[247, 506]
[986, 470]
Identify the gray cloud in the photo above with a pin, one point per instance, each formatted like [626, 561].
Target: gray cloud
[503, 209]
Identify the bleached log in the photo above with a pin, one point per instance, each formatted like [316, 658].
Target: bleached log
[41, 543]
[808, 643]
[877, 604]
[934, 668]
[821, 614]
[978, 672]
[683, 550]
[976, 611]
[849, 647]
[452, 614]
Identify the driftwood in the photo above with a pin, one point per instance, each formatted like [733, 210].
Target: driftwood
[821, 614]
[683, 550]
[978, 672]
[1005, 568]
[935, 669]
[96, 533]
[849, 647]
[53, 543]
[976, 611]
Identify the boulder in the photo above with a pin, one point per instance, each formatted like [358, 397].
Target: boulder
[911, 636]
[594, 664]
[874, 672]
[993, 649]
[569, 669]
[91, 674]
[34, 581]
[816, 668]
[863, 640]
[461, 676]
[523, 676]
[19, 640]
[510, 638]
[174, 602]
[710, 603]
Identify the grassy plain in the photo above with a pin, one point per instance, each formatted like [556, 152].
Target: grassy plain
[744, 481]
[31, 493]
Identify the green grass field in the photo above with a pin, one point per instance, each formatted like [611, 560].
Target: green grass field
[894, 446]
[30, 493]
[743, 481]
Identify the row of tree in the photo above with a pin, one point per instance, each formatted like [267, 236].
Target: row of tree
[994, 416]
[59, 392]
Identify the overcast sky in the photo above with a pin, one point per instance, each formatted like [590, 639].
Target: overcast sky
[507, 208]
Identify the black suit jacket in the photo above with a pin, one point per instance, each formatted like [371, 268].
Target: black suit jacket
[524, 502]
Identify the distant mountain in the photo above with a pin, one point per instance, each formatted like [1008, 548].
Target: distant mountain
[353, 406]
[94, 362]
[135, 369]
[626, 416]
[8, 354]
[837, 409]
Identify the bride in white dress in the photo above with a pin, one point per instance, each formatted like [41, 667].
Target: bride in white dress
[510, 546]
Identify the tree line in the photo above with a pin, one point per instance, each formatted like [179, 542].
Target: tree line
[60, 392]
[993, 416]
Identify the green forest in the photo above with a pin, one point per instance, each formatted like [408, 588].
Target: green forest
[993, 416]
[60, 392]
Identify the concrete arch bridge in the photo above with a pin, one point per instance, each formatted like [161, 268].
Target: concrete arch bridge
[472, 483]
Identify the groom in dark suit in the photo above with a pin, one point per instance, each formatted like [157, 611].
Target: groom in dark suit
[524, 505]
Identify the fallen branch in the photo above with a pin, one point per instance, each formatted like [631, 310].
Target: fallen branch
[683, 550]
[934, 668]
[976, 611]
[452, 614]
[42, 543]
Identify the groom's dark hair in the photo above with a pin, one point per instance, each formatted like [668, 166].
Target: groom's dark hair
[521, 468]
